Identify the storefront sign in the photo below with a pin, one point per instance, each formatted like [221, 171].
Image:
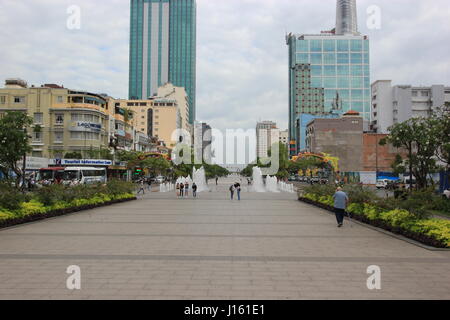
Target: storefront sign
[81, 162]
[34, 163]
[88, 126]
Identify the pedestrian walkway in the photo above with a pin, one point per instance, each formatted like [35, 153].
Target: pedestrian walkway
[267, 246]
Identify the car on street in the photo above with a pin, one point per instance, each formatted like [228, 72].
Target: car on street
[160, 179]
[382, 184]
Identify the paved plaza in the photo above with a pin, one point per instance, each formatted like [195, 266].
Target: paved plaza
[268, 246]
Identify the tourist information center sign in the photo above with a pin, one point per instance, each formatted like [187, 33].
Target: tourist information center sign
[80, 162]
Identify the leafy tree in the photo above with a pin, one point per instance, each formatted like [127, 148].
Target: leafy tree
[128, 114]
[73, 155]
[14, 142]
[92, 153]
[418, 137]
[215, 171]
[398, 166]
[248, 171]
[158, 166]
[440, 125]
[127, 156]
[105, 153]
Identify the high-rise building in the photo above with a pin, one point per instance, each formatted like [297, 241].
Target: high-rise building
[267, 134]
[399, 103]
[346, 17]
[163, 48]
[329, 73]
[202, 141]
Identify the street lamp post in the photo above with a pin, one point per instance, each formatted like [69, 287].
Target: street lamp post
[376, 156]
[24, 166]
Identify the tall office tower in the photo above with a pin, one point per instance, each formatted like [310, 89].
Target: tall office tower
[267, 134]
[163, 48]
[346, 18]
[329, 73]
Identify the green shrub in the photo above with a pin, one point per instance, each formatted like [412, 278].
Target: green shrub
[356, 209]
[11, 198]
[32, 207]
[48, 195]
[441, 204]
[435, 228]
[410, 214]
[117, 187]
[398, 218]
[360, 194]
[320, 190]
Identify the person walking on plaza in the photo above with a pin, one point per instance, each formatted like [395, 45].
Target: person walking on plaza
[194, 190]
[177, 187]
[186, 189]
[237, 187]
[181, 190]
[232, 191]
[340, 205]
[149, 182]
[239, 192]
[141, 187]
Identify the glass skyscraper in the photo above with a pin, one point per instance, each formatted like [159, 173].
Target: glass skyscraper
[328, 73]
[163, 48]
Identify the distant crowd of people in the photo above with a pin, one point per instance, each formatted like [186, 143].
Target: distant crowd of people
[182, 190]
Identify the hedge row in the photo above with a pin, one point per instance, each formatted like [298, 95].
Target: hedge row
[54, 200]
[432, 232]
[34, 210]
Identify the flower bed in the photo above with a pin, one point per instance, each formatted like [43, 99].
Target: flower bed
[34, 211]
[57, 200]
[431, 232]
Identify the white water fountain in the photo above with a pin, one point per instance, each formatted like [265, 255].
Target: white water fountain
[286, 187]
[166, 187]
[199, 178]
[272, 184]
[258, 183]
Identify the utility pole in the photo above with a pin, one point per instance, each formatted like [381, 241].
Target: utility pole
[24, 166]
[376, 156]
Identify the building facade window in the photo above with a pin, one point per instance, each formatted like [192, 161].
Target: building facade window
[37, 136]
[38, 118]
[59, 119]
[20, 100]
[59, 137]
[2, 99]
[59, 99]
[84, 136]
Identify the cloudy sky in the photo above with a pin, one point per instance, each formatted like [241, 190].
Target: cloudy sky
[242, 57]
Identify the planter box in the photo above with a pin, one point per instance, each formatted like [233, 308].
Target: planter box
[56, 213]
[424, 239]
